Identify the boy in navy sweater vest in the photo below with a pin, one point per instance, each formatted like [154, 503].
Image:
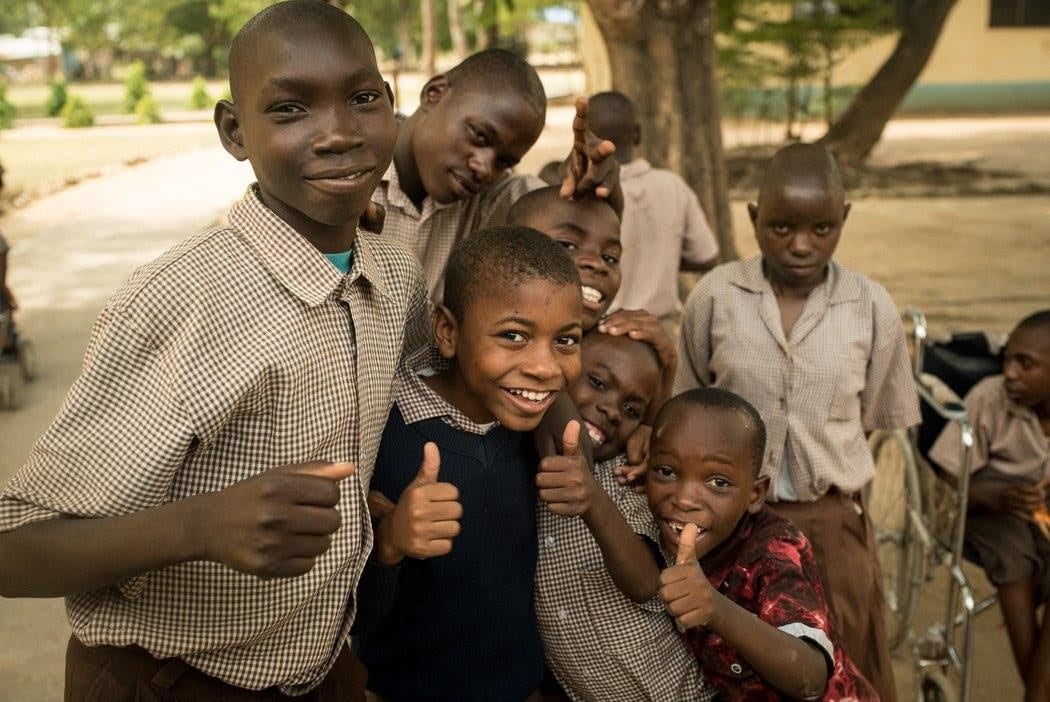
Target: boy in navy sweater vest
[460, 622]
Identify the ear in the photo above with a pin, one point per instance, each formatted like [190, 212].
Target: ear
[845, 210]
[752, 212]
[389, 94]
[759, 490]
[230, 129]
[446, 331]
[433, 91]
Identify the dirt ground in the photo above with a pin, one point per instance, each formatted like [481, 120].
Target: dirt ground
[975, 262]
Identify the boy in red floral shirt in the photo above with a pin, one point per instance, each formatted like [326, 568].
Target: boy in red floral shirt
[744, 588]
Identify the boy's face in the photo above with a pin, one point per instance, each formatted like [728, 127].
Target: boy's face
[798, 227]
[515, 351]
[465, 140]
[316, 122]
[590, 232]
[1026, 366]
[614, 390]
[702, 471]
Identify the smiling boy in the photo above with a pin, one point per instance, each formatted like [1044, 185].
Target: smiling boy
[196, 499]
[461, 552]
[744, 587]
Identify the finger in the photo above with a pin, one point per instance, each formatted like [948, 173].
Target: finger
[299, 489]
[579, 123]
[289, 569]
[570, 439]
[444, 530]
[441, 492]
[428, 470]
[305, 546]
[439, 547]
[305, 519]
[438, 512]
[636, 473]
[331, 471]
[378, 504]
[565, 495]
[686, 545]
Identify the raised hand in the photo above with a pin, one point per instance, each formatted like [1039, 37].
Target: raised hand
[565, 482]
[633, 473]
[643, 326]
[589, 166]
[273, 525]
[684, 588]
[426, 518]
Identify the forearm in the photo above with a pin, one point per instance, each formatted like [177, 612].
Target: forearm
[701, 267]
[626, 557]
[67, 555]
[787, 662]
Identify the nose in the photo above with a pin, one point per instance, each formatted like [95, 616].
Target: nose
[611, 411]
[591, 260]
[540, 363]
[1011, 369]
[482, 163]
[800, 244]
[338, 132]
[689, 496]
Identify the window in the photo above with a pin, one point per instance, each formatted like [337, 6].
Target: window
[1020, 13]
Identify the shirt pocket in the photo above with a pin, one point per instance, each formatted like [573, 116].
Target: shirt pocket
[848, 383]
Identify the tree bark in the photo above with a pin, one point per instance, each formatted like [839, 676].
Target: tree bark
[855, 133]
[428, 58]
[456, 31]
[662, 56]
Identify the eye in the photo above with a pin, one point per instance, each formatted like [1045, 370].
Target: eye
[568, 245]
[567, 341]
[610, 259]
[720, 482]
[365, 98]
[822, 229]
[597, 382]
[631, 410]
[780, 228]
[513, 336]
[663, 472]
[478, 136]
[285, 109]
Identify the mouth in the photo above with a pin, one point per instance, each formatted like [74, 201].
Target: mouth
[463, 186]
[530, 402]
[598, 437]
[592, 297]
[675, 527]
[341, 180]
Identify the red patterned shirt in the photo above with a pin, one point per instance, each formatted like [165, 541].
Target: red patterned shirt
[767, 567]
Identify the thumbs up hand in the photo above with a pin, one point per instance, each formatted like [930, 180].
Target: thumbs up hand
[564, 481]
[685, 589]
[425, 519]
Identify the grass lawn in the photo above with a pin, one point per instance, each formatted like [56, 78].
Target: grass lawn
[36, 158]
[105, 98]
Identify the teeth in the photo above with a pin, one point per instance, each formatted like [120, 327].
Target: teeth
[596, 434]
[590, 294]
[531, 395]
[677, 527]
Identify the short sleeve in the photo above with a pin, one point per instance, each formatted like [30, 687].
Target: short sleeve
[947, 450]
[698, 242]
[118, 440]
[889, 399]
[694, 342]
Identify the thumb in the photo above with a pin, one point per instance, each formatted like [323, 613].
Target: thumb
[686, 545]
[332, 471]
[428, 469]
[570, 439]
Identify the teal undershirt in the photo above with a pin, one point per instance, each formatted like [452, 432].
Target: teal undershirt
[342, 261]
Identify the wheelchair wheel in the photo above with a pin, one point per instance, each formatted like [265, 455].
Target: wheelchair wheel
[27, 359]
[933, 687]
[894, 502]
[11, 386]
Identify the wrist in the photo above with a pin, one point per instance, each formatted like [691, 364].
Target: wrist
[191, 529]
[721, 612]
[384, 552]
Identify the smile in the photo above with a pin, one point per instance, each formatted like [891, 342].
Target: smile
[592, 297]
[530, 401]
[341, 180]
[465, 186]
[677, 526]
[598, 436]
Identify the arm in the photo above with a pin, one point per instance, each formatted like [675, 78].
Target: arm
[788, 663]
[699, 245]
[590, 166]
[271, 525]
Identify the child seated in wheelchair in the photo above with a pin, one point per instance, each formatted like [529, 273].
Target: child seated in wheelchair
[1010, 415]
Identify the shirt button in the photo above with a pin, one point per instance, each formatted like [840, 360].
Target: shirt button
[736, 669]
[562, 614]
[549, 540]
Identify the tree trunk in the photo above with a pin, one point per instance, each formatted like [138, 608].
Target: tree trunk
[456, 31]
[855, 133]
[428, 59]
[662, 56]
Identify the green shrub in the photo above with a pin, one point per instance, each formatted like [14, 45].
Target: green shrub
[57, 99]
[7, 109]
[199, 97]
[136, 86]
[147, 111]
[76, 113]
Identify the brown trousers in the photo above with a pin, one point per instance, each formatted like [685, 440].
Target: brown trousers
[131, 674]
[843, 541]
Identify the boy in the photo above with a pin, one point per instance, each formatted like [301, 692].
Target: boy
[603, 642]
[461, 554]
[1010, 414]
[664, 229]
[451, 171]
[744, 587]
[820, 351]
[196, 498]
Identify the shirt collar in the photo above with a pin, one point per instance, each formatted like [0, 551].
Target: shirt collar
[635, 168]
[399, 198]
[295, 262]
[837, 286]
[418, 401]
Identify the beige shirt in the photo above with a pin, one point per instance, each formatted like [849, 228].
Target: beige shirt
[239, 350]
[663, 225]
[1007, 436]
[431, 233]
[844, 370]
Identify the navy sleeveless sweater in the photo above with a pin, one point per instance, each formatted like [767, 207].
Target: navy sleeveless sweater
[463, 625]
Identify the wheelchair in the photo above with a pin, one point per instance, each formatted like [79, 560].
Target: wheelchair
[17, 362]
[919, 513]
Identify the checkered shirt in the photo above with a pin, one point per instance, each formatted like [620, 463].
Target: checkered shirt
[431, 233]
[240, 350]
[843, 371]
[418, 402]
[599, 643]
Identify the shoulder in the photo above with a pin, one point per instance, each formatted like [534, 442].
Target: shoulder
[398, 267]
[717, 281]
[990, 392]
[868, 290]
[777, 543]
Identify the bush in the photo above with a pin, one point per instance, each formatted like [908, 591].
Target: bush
[199, 98]
[147, 111]
[7, 110]
[76, 113]
[57, 100]
[136, 86]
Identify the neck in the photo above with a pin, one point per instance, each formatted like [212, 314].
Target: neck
[624, 154]
[326, 238]
[452, 390]
[792, 288]
[405, 163]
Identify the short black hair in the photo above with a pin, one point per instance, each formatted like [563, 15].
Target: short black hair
[1036, 320]
[285, 17]
[726, 401]
[500, 258]
[537, 200]
[803, 163]
[500, 70]
[611, 116]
